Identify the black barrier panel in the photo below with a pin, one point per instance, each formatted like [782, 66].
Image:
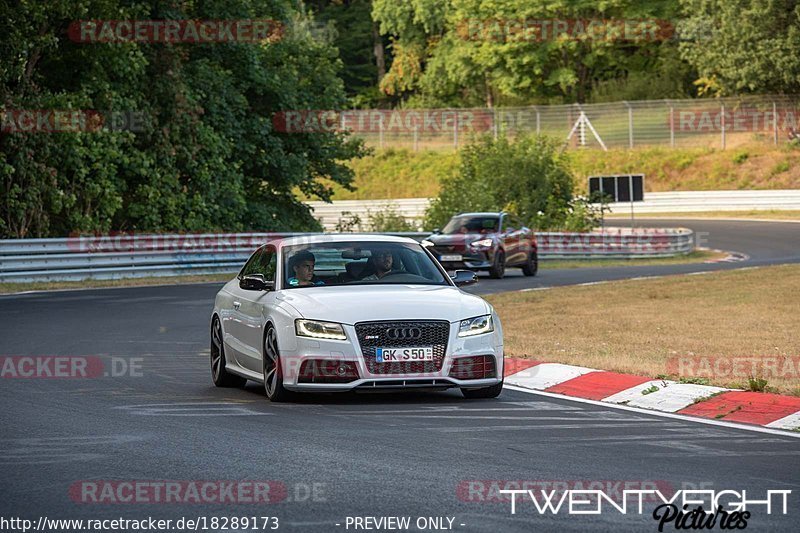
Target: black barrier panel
[618, 188]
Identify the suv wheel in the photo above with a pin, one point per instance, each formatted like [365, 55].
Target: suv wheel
[531, 266]
[498, 268]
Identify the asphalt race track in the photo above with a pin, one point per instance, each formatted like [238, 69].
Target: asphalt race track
[152, 414]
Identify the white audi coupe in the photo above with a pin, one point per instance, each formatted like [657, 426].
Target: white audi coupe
[353, 312]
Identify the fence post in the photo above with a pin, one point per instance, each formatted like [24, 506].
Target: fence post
[671, 127]
[538, 128]
[722, 121]
[380, 132]
[494, 123]
[775, 123]
[416, 134]
[455, 130]
[630, 124]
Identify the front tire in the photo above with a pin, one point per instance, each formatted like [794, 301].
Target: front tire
[487, 392]
[531, 266]
[219, 374]
[498, 268]
[273, 371]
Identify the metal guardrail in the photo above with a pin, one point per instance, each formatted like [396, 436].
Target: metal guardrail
[413, 209]
[131, 256]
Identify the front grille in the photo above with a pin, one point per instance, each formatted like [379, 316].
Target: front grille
[372, 335]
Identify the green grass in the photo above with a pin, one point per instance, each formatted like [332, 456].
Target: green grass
[698, 256]
[405, 173]
[8, 288]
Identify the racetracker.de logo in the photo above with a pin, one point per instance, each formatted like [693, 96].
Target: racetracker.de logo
[68, 367]
[177, 492]
[767, 366]
[490, 490]
[70, 121]
[176, 31]
[543, 30]
[379, 120]
[733, 120]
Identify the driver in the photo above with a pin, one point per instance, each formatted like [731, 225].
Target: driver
[302, 265]
[382, 261]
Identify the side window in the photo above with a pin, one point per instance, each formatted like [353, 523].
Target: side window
[252, 265]
[269, 263]
[509, 224]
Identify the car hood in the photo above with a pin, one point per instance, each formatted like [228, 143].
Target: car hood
[359, 303]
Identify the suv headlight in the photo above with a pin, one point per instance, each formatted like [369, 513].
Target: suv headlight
[475, 326]
[483, 243]
[319, 330]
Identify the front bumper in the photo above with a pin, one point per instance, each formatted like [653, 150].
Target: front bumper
[306, 349]
[470, 259]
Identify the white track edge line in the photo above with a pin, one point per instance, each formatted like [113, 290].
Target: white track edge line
[686, 418]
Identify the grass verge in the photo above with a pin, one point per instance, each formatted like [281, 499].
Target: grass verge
[767, 214]
[645, 326]
[698, 256]
[7, 288]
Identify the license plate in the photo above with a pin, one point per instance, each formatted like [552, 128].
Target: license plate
[401, 355]
[451, 257]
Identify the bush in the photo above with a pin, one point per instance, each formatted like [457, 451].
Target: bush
[389, 221]
[528, 176]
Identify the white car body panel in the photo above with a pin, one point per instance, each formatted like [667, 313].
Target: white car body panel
[244, 325]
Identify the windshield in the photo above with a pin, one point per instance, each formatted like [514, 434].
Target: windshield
[358, 263]
[471, 224]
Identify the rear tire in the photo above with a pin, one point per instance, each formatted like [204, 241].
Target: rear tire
[488, 392]
[531, 266]
[219, 374]
[498, 268]
[272, 368]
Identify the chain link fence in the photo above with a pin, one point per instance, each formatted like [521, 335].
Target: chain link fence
[720, 123]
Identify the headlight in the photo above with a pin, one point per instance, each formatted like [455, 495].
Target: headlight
[426, 243]
[475, 326]
[319, 330]
[483, 243]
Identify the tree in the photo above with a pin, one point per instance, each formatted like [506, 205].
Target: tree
[206, 157]
[743, 46]
[528, 176]
[476, 52]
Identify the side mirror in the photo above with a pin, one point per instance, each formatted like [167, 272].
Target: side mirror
[437, 231]
[464, 277]
[256, 282]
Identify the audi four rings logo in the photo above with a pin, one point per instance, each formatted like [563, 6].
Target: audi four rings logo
[404, 333]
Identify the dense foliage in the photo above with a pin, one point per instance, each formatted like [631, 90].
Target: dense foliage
[431, 53]
[528, 176]
[206, 157]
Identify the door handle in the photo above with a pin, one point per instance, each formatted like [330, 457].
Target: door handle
[237, 305]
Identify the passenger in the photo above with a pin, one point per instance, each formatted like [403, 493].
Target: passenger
[302, 265]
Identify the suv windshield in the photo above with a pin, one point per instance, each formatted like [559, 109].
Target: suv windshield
[358, 263]
[472, 224]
